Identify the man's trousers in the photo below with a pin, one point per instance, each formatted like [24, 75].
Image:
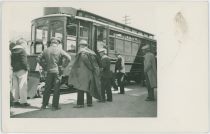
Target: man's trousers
[106, 89]
[52, 82]
[150, 90]
[20, 86]
[120, 81]
[80, 98]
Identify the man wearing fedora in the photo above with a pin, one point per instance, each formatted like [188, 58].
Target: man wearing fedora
[51, 61]
[120, 72]
[106, 76]
[150, 72]
[85, 75]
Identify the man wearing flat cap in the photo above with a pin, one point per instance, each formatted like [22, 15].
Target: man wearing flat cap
[106, 76]
[150, 72]
[51, 61]
[60, 43]
[85, 75]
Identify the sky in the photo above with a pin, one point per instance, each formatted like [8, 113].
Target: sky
[141, 15]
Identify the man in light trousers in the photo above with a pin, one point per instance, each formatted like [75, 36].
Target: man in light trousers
[20, 73]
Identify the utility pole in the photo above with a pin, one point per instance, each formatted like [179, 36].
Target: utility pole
[126, 20]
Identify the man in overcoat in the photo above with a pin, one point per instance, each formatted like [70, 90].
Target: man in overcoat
[150, 72]
[85, 75]
[106, 76]
[51, 61]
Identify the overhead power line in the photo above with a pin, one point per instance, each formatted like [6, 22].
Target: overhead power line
[126, 20]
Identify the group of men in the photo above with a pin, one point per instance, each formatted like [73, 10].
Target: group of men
[89, 74]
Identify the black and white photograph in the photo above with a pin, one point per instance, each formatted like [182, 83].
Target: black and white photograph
[75, 63]
[81, 61]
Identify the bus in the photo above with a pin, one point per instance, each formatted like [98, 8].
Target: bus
[73, 25]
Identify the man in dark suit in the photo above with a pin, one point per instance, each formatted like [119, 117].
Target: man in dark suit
[51, 60]
[106, 76]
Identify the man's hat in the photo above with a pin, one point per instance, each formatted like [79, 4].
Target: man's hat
[56, 38]
[21, 41]
[83, 42]
[146, 47]
[117, 53]
[59, 39]
[11, 44]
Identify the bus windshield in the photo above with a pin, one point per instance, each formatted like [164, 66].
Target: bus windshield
[43, 30]
[56, 29]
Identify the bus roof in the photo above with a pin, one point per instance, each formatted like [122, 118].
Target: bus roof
[112, 21]
[79, 12]
[95, 21]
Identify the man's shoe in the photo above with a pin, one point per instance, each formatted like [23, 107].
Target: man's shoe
[89, 105]
[16, 104]
[56, 108]
[25, 105]
[148, 99]
[109, 100]
[121, 93]
[43, 107]
[101, 101]
[78, 106]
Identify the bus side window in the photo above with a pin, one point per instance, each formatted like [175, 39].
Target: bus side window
[111, 40]
[120, 45]
[101, 38]
[71, 38]
[84, 31]
[135, 48]
[111, 43]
